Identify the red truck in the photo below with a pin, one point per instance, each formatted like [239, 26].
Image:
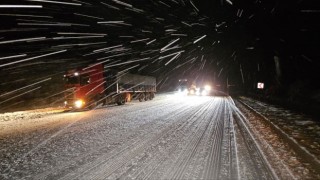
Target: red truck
[97, 84]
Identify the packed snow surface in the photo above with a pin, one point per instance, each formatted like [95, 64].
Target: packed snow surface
[169, 137]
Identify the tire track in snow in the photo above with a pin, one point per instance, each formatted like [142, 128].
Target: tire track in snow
[179, 167]
[94, 150]
[53, 133]
[212, 168]
[228, 158]
[160, 157]
[109, 164]
[262, 168]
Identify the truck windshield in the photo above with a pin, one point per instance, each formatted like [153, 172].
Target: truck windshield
[84, 80]
[71, 80]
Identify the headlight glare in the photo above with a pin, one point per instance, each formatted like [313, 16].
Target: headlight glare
[204, 93]
[207, 88]
[79, 103]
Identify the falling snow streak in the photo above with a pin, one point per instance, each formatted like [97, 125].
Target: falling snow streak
[175, 57]
[199, 39]
[20, 6]
[53, 24]
[27, 15]
[194, 59]
[194, 6]
[139, 40]
[239, 12]
[180, 65]
[186, 24]
[241, 74]
[11, 92]
[95, 87]
[230, 2]
[88, 16]
[56, 2]
[119, 64]
[76, 37]
[11, 57]
[162, 57]
[152, 41]
[164, 4]
[220, 72]
[32, 58]
[179, 35]
[203, 64]
[306, 58]
[58, 93]
[22, 40]
[171, 48]
[127, 69]
[110, 6]
[80, 34]
[107, 48]
[122, 3]
[11, 105]
[81, 44]
[9, 99]
[310, 11]
[172, 42]
[112, 56]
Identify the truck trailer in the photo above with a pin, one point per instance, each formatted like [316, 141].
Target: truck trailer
[97, 84]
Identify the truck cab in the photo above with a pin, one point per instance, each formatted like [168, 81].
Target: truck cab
[83, 86]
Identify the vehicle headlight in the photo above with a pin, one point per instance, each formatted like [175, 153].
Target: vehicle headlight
[207, 88]
[204, 93]
[198, 92]
[79, 103]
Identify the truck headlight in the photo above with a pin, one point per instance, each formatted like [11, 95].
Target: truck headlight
[207, 88]
[198, 92]
[204, 93]
[79, 103]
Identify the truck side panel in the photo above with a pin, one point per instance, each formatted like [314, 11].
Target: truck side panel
[136, 83]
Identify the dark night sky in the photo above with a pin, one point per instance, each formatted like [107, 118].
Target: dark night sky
[240, 41]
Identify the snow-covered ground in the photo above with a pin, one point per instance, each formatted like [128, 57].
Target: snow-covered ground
[305, 130]
[14, 121]
[289, 139]
[168, 138]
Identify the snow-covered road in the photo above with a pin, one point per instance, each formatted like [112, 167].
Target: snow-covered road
[168, 138]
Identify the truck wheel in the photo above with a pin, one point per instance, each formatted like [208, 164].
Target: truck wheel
[147, 96]
[151, 96]
[141, 97]
[121, 100]
[104, 102]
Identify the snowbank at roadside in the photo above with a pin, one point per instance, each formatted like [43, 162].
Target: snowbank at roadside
[30, 114]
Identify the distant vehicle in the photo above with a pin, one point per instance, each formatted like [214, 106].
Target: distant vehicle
[185, 88]
[200, 91]
[90, 86]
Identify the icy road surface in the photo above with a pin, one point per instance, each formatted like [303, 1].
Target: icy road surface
[167, 138]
